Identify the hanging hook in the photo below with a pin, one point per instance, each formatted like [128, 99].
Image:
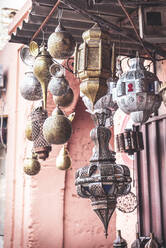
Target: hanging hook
[59, 14]
[43, 37]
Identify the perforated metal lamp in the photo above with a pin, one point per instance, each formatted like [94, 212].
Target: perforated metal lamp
[137, 92]
[92, 63]
[102, 181]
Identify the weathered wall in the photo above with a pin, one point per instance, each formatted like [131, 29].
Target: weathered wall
[44, 210]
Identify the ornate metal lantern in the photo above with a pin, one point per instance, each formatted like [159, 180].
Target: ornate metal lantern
[137, 243]
[40, 145]
[152, 243]
[120, 242]
[163, 92]
[57, 128]
[92, 63]
[103, 180]
[41, 69]
[61, 44]
[32, 165]
[130, 141]
[30, 88]
[58, 84]
[137, 91]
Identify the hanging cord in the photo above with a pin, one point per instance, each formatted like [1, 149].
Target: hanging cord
[46, 20]
[133, 25]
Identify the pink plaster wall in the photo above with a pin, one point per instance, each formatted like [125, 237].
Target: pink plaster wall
[44, 211]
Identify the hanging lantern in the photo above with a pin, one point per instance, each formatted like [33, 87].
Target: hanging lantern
[92, 63]
[137, 243]
[58, 84]
[103, 180]
[61, 44]
[30, 88]
[137, 92]
[152, 242]
[57, 128]
[127, 203]
[41, 69]
[40, 145]
[31, 165]
[28, 130]
[120, 242]
[130, 141]
[163, 92]
[63, 161]
[64, 100]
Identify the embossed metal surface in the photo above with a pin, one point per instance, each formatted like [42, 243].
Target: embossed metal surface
[57, 128]
[137, 92]
[92, 63]
[127, 203]
[63, 161]
[64, 100]
[130, 141]
[61, 44]
[58, 84]
[103, 180]
[40, 145]
[30, 88]
[31, 166]
[41, 70]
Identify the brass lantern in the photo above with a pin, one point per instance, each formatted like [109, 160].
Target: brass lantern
[93, 62]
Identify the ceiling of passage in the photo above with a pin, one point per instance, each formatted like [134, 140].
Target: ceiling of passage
[80, 15]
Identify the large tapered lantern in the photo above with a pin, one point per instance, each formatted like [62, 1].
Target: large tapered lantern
[102, 181]
[93, 63]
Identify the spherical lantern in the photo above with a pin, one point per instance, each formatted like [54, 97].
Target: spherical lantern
[61, 44]
[57, 128]
[64, 100]
[58, 84]
[92, 63]
[137, 92]
[31, 165]
[30, 88]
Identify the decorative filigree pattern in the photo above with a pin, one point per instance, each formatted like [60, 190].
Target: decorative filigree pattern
[127, 203]
[103, 180]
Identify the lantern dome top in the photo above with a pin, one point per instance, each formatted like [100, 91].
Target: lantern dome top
[96, 33]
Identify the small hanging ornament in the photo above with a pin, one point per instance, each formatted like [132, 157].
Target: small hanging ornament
[58, 84]
[120, 242]
[137, 91]
[61, 44]
[137, 243]
[64, 100]
[152, 242]
[40, 145]
[127, 203]
[63, 161]
[32, 165]
[30, 88]
[28, 130]
[130, 141]
[57, 128]
[41, 70]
